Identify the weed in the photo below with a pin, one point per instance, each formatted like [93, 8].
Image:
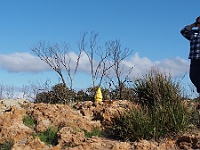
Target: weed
[156, 87]
[95, 132]
[29, 121]
[49, 136]
[162, 113]
[7, 145]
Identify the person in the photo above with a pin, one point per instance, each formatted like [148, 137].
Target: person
[193, 35]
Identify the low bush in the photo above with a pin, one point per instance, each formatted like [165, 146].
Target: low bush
[156, 87]
[29, 121]
[149, 124]
[7, 145]
[49, 136]
[163, 112]
[95, 132]
[60, 94]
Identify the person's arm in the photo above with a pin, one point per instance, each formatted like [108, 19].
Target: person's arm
[186, 31]
[189, 27]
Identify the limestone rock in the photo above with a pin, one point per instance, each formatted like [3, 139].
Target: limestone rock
[69, 137]
[72, 122]
[47, 115]
[104, 112]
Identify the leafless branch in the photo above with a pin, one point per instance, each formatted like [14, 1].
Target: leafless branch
[117, 55]
[50, 54]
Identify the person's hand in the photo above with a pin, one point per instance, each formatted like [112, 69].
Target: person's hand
[189, 27]
[194, 24]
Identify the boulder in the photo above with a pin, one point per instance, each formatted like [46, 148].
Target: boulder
[106, 111]
[69, 137]
[47, 115]
[12, 127]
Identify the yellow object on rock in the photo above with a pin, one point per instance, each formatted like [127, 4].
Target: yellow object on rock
[98, 97]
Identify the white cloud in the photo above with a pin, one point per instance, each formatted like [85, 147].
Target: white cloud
[84, 64]
[140, 64]
[22, 62]
[174, 66]
[25, 62]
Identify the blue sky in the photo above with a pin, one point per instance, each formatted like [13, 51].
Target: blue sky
[150, 28]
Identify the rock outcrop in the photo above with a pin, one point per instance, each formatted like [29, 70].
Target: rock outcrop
[72, 123]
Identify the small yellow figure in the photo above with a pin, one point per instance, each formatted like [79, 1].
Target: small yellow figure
[98, 97]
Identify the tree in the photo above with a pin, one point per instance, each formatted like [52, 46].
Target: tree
[50, 55]
[98, 69]
[116, 56]
[9, 91]
[66, 61]
[36, 87]
[58, 58]
[101, 59]
[1, 91]
[25, 91]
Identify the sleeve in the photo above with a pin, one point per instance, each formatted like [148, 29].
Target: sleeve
[186, 33]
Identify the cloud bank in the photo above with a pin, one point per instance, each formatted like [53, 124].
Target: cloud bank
[175, 66]
[25, 62]
[22, 62]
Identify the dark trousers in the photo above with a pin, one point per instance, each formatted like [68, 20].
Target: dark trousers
[195, 73]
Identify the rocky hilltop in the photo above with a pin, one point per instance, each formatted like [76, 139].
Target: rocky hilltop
[84, 116]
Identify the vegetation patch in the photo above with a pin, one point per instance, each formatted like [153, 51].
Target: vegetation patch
[50, 136]
[7, 145]
[163, 112]
[29, 121]
[149, 124]
[95, 132]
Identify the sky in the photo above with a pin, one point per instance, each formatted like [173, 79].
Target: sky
[150, 28]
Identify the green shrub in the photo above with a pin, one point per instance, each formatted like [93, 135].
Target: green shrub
[149, 124]
[49, 136]
[156, 87]
[194, 107]
[169, 118]
[91, 92]
[95, 132]
[81, 96]
[162, 111]
[7, 145]
[132, 125]
[60, 94]
[29, 121]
